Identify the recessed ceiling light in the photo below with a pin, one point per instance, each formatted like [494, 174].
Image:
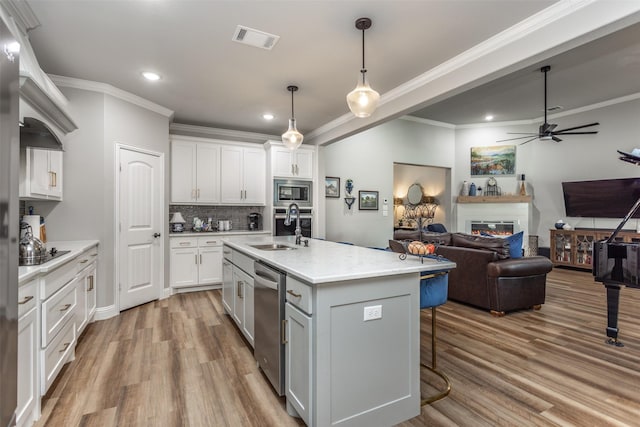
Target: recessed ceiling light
[268, 116]
[488, 117]
[151, 76]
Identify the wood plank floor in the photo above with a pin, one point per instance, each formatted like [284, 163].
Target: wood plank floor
[181, 362]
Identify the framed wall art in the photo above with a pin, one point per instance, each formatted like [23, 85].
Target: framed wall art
[493, 160]
[331, 186]
[368, 200]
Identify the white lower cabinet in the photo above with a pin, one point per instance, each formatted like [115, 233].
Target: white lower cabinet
[237, 291]
[86, 294]
[195, 261]
[28, 408]
[298, 363]
[227, 284]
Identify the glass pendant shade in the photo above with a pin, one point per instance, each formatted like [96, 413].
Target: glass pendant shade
[363, 100]
[292, 139]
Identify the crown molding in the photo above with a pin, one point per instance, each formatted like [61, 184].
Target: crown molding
[107, 89]
[218, 133]
[22, 14]
[427, 122]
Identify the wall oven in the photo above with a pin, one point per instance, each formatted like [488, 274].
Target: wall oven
[286, 191]
[279, 215]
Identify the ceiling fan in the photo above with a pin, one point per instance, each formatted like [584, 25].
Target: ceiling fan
[547, 131]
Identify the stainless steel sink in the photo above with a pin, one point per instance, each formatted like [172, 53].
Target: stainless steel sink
[273, 247]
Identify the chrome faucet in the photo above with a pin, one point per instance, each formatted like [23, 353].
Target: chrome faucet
[287, 221]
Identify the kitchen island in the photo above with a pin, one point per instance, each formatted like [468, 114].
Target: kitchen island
[351, 328]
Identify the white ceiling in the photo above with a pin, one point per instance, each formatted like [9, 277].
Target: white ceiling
[209, 80]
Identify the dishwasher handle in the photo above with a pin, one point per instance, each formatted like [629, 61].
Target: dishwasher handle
[265, 281]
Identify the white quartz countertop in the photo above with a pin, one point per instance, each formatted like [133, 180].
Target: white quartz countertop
[76, 247]
[324, 261]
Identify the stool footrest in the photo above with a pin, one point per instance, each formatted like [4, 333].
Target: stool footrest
[440, 395]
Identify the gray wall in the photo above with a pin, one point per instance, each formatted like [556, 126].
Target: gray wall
[368, 159]
[546, 163]
[88, 208]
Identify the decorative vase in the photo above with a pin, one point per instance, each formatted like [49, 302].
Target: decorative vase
[349, 186]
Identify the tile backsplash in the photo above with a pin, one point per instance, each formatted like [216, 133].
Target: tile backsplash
[236, 214]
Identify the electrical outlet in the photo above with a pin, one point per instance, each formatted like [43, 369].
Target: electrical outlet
[372, 312]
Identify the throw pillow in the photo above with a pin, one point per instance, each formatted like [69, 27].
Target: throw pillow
[515, 243]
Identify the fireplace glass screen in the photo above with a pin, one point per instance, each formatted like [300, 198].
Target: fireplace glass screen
[495, 228]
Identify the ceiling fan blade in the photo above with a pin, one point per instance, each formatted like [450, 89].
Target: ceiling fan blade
[523, 133]
[591, 132]
[555, 138]
[577, 127]
[522, 143]
[520, 137]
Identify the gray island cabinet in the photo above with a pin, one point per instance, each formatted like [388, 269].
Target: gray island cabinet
[351, 330]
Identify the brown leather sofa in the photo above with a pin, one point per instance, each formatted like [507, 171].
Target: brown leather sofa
[486, 276]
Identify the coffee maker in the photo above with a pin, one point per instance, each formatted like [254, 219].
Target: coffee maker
[255, 221]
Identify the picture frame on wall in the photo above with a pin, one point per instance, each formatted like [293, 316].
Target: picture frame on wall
[493, 160]
[331, 186]
[368, 200]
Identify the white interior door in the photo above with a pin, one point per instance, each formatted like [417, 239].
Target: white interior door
[140, 250]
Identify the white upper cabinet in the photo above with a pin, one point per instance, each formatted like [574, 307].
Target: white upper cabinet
[243, 175]
[40, 174]
[195, 171]
[217, 172]
[292, 164]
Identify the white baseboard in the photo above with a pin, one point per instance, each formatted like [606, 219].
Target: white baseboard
[195, 288]
[166, 293]
[103, 313]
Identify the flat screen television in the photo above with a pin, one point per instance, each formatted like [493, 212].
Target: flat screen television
[605, 198]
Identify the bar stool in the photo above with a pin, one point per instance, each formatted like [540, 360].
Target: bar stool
[433, 293]
[434, 287]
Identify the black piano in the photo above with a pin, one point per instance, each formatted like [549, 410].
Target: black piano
[616, 264]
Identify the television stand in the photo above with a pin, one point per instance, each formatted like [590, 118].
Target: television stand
[574, 248]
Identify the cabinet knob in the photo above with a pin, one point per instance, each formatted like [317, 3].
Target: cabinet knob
[156, 235]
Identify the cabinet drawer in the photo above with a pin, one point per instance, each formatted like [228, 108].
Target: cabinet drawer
[56, 311]
[57, 354]
[27, 297]
[85, 259]
[243, 262]
[184, 242]
[56, 279]
[299, 295]
[209, 241]
[227, 253]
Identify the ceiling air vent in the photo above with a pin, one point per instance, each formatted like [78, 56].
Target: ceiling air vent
[255, 38]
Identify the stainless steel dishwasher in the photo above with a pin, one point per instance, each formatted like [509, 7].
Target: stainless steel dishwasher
[269, 289]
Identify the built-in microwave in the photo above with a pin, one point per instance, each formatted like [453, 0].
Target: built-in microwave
[287, 191]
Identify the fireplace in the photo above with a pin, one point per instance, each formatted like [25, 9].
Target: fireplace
[493, 215]
[495, 228]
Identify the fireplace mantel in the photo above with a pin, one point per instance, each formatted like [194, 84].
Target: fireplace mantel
[494, 199]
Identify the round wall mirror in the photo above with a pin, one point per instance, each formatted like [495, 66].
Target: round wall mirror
[414, 195]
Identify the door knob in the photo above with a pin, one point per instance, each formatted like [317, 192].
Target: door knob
[156, 235]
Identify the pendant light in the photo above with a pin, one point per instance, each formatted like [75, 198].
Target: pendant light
[363, 100]
[292, 138]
